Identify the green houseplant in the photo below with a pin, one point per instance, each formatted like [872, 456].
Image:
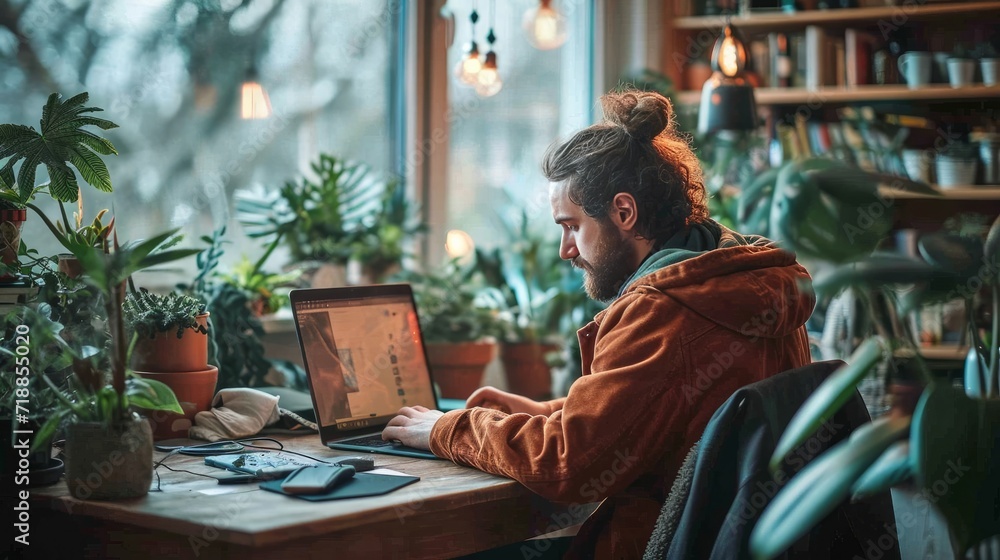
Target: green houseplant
[60, 142]
[834, 215]
[345, 213]
[102, 393]
[460, 329]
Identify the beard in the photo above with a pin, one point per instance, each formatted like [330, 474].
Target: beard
[610, 265]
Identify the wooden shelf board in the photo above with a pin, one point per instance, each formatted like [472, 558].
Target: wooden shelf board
[832, 94]
[833, 17]
[964, 192]
[944, 352]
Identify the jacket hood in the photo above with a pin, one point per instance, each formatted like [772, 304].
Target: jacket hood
[748, 284]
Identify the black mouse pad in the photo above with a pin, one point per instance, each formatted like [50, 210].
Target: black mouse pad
[363, 484]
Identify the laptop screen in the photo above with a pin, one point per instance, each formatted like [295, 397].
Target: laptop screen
[363, 353]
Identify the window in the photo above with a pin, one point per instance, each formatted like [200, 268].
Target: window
[169, 73]
[496, 143]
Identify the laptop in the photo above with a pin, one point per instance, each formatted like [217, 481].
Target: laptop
[364, 357]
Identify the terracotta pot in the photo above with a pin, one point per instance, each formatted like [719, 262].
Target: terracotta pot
[167, 353]
[70, 265]
[194, 390]
[109, 463]
[527, 372]
[11, 222]
[458, 367]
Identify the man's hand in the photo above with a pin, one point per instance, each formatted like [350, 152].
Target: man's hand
[491, 397]
[412, 427]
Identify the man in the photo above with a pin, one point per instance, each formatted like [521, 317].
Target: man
[696, 311]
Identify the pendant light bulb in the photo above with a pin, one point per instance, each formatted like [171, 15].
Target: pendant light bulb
[488, 82]
[544, 26]
[468, 68]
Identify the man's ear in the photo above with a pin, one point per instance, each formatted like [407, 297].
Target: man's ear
[624, 213]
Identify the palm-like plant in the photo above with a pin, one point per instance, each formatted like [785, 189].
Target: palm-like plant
[835, 215]
[317, 220]
[60, 142]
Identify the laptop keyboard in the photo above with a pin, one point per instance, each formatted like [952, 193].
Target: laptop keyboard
[372, 441]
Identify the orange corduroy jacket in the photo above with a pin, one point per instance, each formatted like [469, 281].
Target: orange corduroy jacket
[657, 363]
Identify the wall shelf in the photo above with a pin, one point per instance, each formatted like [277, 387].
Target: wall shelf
[858, 94]
[944, 352]
[891, 14]
[963, 192]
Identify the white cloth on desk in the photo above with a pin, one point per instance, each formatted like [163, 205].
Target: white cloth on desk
[235, 413]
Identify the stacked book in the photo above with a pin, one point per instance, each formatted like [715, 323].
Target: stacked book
[14, 294]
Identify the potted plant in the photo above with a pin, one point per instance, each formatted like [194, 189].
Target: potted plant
[326, 221]
[60, 142]
[956, 165]
[380, 238]
[108, 445]
[234, 344]
[961, 67]
[170, 345]
[264, 289]
[96, 233]
[460, 330]
[819, 211]
[989, 63]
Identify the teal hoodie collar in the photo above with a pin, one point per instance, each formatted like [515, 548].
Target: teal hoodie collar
[683, 245]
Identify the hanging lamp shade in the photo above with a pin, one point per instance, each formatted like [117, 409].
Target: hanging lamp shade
[727, 100]
[254, 102]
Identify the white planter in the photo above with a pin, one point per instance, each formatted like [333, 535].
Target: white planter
[961, 71]
[990, 68]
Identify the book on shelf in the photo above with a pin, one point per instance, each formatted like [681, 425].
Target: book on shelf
[760, 57]
[780, 67]
[797, 46]
[859, 49]
[15, 292]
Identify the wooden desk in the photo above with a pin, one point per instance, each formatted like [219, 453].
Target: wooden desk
[451, 511]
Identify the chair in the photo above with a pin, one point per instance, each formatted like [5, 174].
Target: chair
[725, 483]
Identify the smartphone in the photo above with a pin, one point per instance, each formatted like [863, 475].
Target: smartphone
[316, 479]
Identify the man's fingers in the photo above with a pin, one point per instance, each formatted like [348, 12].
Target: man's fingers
[419, 408]
[391, 433]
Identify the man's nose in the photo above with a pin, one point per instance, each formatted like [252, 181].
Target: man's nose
[567, 248]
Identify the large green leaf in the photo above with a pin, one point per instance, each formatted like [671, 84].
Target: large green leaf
[952, 252]
[827, 399]
[821, 486]
[955, 451]
[60, 140]
[892, 468]
[876, 271]
[755, 199]
[991, 250]
[151, 395]
[827, 210]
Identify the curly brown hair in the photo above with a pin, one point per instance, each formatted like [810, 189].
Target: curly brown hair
[637, 150]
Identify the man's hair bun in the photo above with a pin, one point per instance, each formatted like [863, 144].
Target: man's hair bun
[643, 114]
